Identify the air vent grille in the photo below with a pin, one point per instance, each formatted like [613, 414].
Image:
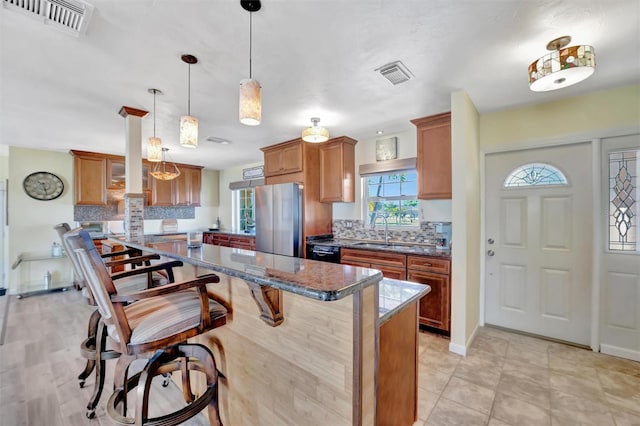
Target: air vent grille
[395, 72]
[71, 16]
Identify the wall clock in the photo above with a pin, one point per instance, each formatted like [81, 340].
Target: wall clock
[43, 186]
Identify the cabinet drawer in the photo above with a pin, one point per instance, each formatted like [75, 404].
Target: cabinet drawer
[374, 257]
[431, 264]
[240, 242]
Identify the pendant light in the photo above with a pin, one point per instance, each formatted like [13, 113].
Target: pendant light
[163, 170]
[188, 123]
[563, 67]
[250, 110]
[154, 145]
[315, 133]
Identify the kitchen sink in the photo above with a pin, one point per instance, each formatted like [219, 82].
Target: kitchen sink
[382, 246]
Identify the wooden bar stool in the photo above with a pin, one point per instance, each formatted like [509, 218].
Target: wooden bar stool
[155, 327]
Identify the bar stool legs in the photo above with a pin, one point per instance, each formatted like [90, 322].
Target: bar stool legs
[182, 357]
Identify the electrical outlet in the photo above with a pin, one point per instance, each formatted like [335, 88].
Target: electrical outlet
[348, 224]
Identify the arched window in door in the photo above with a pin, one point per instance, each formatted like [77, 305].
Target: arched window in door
[535, 174]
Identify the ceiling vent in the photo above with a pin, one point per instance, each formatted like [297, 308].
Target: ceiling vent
[216, 139]
[396, 72]
[70, 16]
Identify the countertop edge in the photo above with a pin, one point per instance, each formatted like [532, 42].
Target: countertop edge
[276, 283]
[388, 281]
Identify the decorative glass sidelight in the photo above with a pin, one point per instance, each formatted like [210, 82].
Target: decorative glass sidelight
[624, 167]
[535, 174]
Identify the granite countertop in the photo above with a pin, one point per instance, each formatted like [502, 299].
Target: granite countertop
[397, 247]
[317, 280]
[396, 294]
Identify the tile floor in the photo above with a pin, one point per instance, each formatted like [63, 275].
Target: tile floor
[511, 379]
[506, 379]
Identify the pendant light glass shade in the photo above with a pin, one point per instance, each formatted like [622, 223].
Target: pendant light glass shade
[250, 102]
[154, 149]
[315, 133]
[563, 67]
[154, 145]
[250, 105]
[188, 123]
[163, 170]
[188, 131]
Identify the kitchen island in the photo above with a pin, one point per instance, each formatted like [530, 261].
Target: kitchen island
[302, 344]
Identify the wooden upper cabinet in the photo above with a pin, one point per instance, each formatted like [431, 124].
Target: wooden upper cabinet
[162, 192]
[187, 187]
[434, 156]
[283, 158]
[116, 174]
[90, 172]
[337, 170]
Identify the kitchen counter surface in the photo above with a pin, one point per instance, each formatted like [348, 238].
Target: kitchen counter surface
[397, 247]
[395, 295]
[313, 279]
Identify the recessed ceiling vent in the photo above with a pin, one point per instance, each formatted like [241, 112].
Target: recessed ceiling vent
[396, 72]
[70, 16]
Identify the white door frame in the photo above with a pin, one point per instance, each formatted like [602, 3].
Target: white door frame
[593, 138]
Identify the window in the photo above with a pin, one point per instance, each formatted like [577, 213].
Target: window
[535, 174]
[392, 197]
[245, 213]
[624, 218]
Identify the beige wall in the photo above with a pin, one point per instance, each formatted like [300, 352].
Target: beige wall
[587, 116]
[465, 273]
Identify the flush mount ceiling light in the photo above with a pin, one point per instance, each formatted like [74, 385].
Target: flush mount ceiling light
[250, 109]
[154, 145]
[315, 133]
[189, 124]
[163, 170]
[563, 67]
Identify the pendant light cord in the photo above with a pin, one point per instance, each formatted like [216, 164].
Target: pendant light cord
[250, 40]
[154, 113]
[189, 92]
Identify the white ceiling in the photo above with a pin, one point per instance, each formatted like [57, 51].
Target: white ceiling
[312, 57]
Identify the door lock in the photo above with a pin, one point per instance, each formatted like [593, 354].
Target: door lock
[490, 252]
[490, 241]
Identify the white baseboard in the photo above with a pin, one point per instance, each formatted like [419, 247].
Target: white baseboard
[458, 349]
[619, 352]
[462, 349]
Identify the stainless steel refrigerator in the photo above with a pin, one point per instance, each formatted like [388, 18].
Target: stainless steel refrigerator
[279, 219]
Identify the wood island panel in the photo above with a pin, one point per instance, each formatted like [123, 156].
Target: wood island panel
[316, 368]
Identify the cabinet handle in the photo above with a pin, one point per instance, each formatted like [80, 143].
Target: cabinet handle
[428, 264]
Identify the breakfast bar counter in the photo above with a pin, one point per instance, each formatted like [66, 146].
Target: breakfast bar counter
[304, 341]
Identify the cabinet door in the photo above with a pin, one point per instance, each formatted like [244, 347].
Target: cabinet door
[182, 187]
[434, 157]
[272, 162]
[116, 176]
[337, 171]
[435, 306]
[391, 272]
[162, 192]
[89, 181]
[292, 158]
[196, 187]
[207, 238]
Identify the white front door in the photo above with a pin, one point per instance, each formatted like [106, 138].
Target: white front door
[538, 259]
[620, 278]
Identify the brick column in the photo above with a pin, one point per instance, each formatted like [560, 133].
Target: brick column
[134, 196]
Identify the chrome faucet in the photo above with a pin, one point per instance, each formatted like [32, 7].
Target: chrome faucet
[386, 226]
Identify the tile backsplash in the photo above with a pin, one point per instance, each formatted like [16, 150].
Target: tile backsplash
[357, 230]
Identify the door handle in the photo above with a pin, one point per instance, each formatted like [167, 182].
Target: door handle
[490, 252]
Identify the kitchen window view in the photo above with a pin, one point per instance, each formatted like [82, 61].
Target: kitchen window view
[245, 213]
[392, 199]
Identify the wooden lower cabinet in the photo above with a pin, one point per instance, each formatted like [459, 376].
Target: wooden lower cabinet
[398, 369]
[392, 265]
[435, 308]
[247, 242]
